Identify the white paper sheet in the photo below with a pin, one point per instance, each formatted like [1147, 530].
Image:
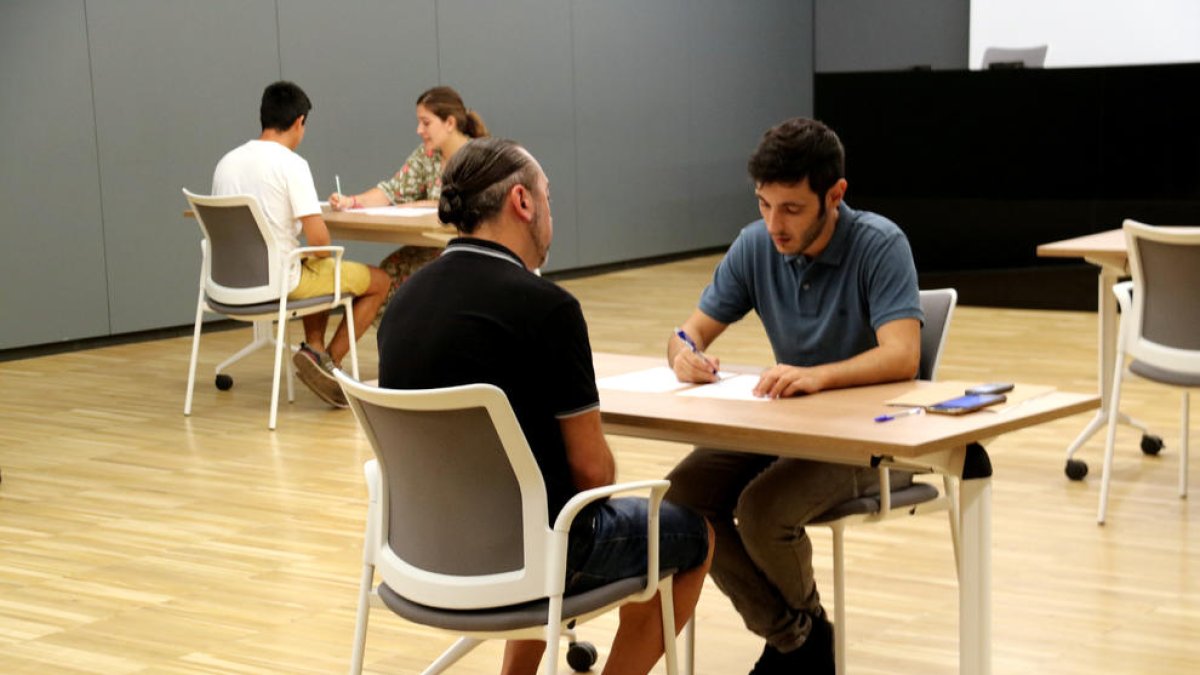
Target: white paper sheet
[651, 381]
[733, 388]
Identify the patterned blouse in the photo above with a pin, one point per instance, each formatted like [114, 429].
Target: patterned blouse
[419, 178]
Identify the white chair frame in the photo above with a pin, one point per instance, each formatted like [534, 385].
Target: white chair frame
[545, 548]
[270, 299]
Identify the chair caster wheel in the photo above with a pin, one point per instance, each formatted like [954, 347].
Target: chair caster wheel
[224, 382]
[1151, 445]
[581, 656]
[1076, 469]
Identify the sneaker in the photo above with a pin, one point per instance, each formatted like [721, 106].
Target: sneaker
[315, 370]
[815, 655]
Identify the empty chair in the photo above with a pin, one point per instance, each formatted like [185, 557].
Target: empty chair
[243, 277]
[457, 525]
[938, 306]
[1015, 57]
[1160, 327]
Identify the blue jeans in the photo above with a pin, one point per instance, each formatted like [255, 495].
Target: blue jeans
[608, 542]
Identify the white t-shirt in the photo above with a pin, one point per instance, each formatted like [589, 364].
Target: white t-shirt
[283, 184]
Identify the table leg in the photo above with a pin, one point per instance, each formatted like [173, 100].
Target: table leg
[975, 564]
[1107, 356]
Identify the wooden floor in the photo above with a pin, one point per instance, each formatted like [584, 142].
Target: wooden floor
[133, 539]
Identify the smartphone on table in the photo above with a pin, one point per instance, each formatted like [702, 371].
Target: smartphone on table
[966, 404]
[990, 388]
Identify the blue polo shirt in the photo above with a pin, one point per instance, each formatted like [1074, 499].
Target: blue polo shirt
[826, 309]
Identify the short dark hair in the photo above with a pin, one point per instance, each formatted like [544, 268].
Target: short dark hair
[796, 149]
[283, 103]
[478, 177]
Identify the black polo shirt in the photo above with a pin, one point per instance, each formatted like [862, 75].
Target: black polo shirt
[477, 315]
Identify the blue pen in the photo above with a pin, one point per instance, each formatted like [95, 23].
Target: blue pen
[692, 346]
[902, 413]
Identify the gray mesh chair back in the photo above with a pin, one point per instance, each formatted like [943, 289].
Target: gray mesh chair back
[237, 252]
[450, 463]
[938, 307]
[1169, 283]
[1160, 328]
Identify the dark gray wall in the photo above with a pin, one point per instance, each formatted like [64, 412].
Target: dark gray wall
[52, 266]
[856, 35]
[641, 111]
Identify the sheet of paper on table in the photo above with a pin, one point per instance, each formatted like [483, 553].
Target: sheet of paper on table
[730, 387]
[658, 380]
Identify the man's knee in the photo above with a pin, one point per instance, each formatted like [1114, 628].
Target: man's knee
[380, 281]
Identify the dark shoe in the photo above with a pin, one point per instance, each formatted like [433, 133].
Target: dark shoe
[316, 372]
[814, 657]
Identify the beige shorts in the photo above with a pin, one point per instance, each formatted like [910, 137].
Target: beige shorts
[316, 278]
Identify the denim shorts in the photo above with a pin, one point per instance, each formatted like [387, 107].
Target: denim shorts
[608, 542]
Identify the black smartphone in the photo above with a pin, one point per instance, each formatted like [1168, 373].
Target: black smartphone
[990, 388]
[966, 404]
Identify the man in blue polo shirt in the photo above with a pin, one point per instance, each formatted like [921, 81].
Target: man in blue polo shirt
[836, 290]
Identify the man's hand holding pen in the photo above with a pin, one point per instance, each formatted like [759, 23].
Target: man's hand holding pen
[692, 365]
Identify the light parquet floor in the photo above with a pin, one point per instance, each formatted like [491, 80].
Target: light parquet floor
[135, 540]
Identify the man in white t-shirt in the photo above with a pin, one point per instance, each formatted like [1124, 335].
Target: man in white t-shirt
[269, 168]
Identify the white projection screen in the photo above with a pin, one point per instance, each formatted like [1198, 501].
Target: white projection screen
[1089, 32]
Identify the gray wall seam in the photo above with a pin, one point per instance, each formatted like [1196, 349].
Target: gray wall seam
[87, 34]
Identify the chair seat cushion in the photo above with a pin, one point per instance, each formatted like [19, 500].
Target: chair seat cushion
[512, 617]
[1164, 375]
[917, 493]
[267, 307]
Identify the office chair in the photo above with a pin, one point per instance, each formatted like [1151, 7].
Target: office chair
[1015, 57]
[1160, 327]
[457, 526]
[244, 277]
[915, 499]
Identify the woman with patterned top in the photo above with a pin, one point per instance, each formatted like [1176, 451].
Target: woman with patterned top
[444, 124]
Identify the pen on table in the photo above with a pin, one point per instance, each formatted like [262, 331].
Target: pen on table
[692, 346]
[337, 180]
[903, 413]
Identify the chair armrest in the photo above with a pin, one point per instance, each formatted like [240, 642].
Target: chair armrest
[566, 516]
[336, 250]
[1124, 293]
[299, 253]
[657, 488]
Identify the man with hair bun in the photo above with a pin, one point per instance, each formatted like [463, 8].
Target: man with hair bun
[480, 314]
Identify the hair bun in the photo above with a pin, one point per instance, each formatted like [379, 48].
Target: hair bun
[450, 206]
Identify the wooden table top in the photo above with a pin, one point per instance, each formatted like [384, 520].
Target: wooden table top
[1103, 248]
[836, 425]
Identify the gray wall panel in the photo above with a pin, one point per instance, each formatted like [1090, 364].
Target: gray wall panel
[52, 284]
[363, 63]
[642, 113]
[177, 84]
[631, 96]
[517, 74]
[751, 67]
[855, 35]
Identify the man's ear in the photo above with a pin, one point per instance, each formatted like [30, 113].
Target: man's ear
[837, 192]
[522, 202]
